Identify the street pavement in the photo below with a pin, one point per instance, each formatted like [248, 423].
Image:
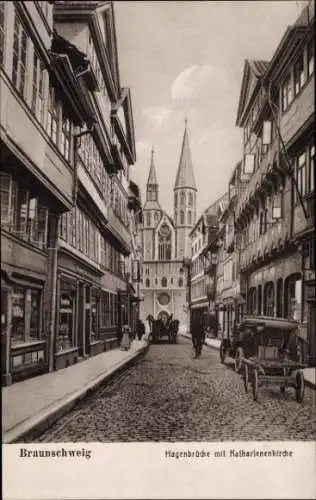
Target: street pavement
[171, 396]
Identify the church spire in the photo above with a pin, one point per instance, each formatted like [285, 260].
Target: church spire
[152, 177]
[185, 175]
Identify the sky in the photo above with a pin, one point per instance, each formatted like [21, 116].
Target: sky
[187, 58]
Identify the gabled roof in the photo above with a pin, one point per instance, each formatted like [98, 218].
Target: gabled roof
[253, 71]
[90, 11]
[185, 175]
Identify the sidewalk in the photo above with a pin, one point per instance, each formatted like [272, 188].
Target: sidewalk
[309, 373]
[31, 406]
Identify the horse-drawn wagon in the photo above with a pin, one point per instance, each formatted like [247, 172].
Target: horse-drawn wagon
[161, 329]
[272, 352]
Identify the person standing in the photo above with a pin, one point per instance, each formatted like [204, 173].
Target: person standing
[126, 338]
[140, 329]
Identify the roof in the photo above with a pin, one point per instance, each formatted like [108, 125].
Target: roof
[185, 175]
[152, 177]
[254, 70]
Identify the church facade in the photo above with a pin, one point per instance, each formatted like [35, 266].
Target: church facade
[166, 242]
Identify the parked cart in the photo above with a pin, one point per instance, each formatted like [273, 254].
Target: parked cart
[272, 353]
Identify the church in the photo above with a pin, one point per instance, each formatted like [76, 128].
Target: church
[166, 242]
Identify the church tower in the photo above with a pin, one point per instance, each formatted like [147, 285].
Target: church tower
[184, 199]
[151, 211]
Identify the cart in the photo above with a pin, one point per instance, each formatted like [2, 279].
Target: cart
[232, 346]
[273, 353]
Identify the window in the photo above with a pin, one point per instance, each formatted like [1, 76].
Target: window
[65, 137]
[147, 282]
[20, 40]
[301, 174]
[26, 309]
[38, 88]
[279, 299]
[287, 93]
[310, 58]
[190, 199]
[52, 118]
[176, 199]
[181, 217]
[67, 304]
[292, 297]
[148, 219]
[22, 215]
[189, 218]
[164, 282]
[164, 243]
[299, 75]
[180, 282]
[2, 32]
[156, 216]
[182, 198]
[263, 222]
[311, 170]
[268, 305]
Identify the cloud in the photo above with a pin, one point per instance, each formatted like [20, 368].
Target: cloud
[198, 81]
[157, 114]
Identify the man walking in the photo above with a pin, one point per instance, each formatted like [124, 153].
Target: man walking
[140, 329]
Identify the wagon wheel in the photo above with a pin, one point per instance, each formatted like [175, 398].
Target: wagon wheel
[238, 359]
[300, 386]
[255, 383]
[246, 377]
[222, 352]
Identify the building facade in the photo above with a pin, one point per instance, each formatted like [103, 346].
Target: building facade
[202, 281]
[166, 242]
[274, 218]
[68, 143]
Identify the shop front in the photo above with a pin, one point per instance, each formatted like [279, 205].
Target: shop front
[23, 345]
[78, 310]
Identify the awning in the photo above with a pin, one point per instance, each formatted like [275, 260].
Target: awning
[269, 322]
[12, 278]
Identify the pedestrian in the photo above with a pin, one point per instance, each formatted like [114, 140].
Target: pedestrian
[126, 338]
[140, 329]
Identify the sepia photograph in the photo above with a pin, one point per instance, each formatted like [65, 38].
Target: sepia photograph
[158, 245]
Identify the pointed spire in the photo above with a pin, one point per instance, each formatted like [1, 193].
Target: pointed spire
[185, 174]
[152, 177]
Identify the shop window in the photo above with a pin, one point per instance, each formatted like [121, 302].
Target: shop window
[66, 317]
[94, 316]
[26, 304]
[19, 61]
[292, 297]
[268, 299]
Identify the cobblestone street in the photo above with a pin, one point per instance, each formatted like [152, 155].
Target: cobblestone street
[170, 396]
